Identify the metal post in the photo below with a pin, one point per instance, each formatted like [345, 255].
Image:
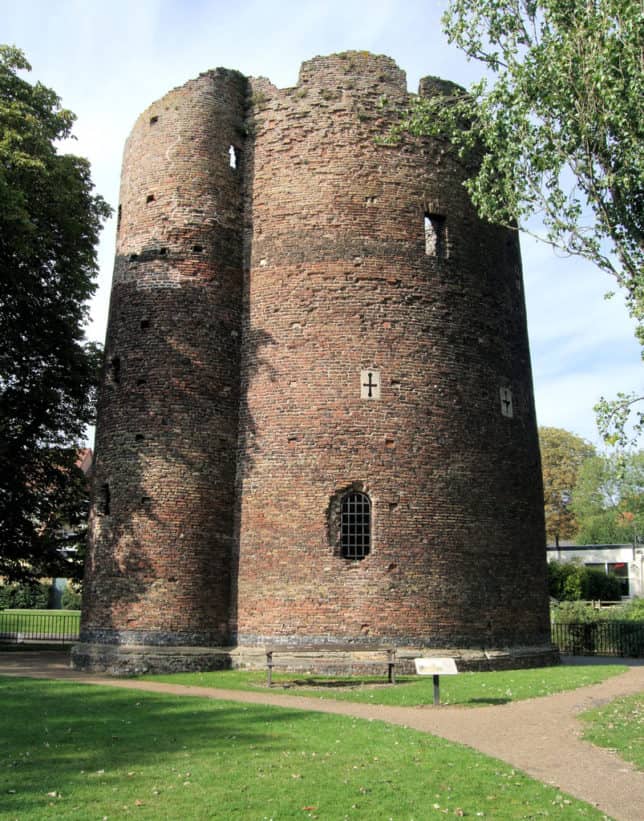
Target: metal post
[437, 693]
[269, 668]
[391, 664]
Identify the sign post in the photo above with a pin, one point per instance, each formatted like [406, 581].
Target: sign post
[436, 667]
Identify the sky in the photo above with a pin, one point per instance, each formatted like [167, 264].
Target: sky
[109, 61]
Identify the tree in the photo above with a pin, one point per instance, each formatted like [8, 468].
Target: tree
[558, 132]
[619, 421]
[609, 499]
[562, 455]
[49, 226]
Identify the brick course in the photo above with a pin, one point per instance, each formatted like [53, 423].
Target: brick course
[246, 302]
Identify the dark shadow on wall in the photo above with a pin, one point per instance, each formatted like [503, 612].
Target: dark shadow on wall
[252, 365]
[164, 497]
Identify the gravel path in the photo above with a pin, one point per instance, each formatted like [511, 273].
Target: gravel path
[541, 736]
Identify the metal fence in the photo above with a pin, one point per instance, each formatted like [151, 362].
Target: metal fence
[601, 638]
[23, 627]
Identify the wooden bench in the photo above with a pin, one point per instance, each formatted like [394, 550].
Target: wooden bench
[317, 652]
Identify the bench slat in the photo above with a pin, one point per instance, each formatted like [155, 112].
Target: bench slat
[317, 652]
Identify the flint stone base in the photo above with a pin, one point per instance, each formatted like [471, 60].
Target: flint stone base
[134, 660]
[139, 659]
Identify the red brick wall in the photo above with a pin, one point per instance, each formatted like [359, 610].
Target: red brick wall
[159, 565]
[330, 225]
[339, 281]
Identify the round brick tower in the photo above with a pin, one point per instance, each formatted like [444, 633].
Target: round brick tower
[158, 571]
[385, 365]
[317, 424]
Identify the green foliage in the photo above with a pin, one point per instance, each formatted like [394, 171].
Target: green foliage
[600, 586]
[633, 610]
[582, 612]
[72, 597]
[602, 528]
[562, 455]
[618, 726]
[574, 612]
[614, 416]
[113, 753]
[559, 574]
[49, 226]
[28, 596]
[571, 581]
[557, 132]
[555, 135]
[608, 499]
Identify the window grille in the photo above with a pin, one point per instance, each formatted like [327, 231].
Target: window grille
[355, 525]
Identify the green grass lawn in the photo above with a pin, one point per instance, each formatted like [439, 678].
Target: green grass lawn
[470, 689]
[71, 751]
[619, 726]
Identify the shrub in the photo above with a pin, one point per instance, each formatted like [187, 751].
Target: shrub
[574, 612]
[580, 612]
[571, 581]
[574, 583]
[633, 610]
[597, 585]
[72, 597]
[24, 596]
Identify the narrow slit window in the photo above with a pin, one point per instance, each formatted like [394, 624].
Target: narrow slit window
[104, 501]
[114, 370]
[435, 244]
[149, 198]
[119, 214]
[355, 525]
[233, 157]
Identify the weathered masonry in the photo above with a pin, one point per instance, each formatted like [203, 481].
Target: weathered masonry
[316, 425]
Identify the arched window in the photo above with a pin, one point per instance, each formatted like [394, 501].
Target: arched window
[355, 525]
